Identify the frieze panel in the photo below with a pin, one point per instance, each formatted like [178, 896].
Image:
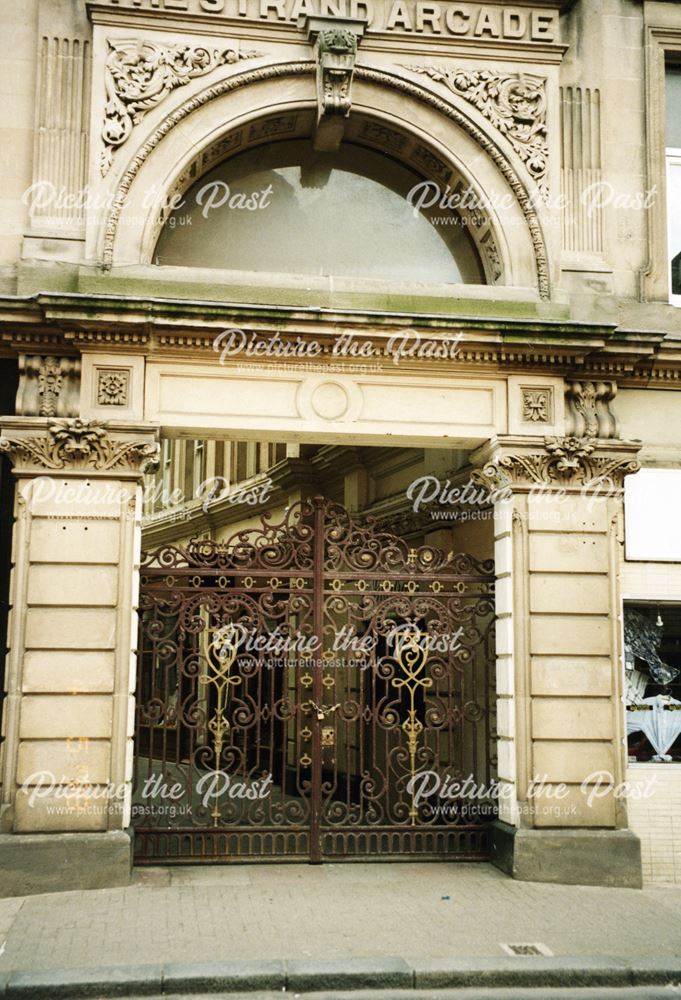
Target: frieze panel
[383, 136]
[490, 252]
[431, 163]
[281, 125]
[113, 387]
[534, 26]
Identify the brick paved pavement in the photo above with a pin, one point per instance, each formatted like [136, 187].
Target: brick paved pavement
[414, 911]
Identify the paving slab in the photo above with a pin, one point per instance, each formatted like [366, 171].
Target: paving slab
[437, 919]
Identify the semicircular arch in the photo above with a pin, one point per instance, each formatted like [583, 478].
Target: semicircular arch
[436, 138]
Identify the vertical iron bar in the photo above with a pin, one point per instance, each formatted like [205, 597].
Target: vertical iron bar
[317, 686]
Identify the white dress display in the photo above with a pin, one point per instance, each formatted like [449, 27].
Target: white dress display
[661, 722]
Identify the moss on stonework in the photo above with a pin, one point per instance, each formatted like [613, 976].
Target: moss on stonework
[98, 282]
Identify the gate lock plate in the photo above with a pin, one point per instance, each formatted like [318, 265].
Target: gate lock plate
[328, 736]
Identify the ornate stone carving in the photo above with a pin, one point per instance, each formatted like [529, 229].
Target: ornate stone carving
[377, 76]
[588, 410]
[79, 444]
[383, 136]
[515, 103]
[537, 406]
[567, 461]
[140, 74]
[50, 381]
[433, 164]
[271, 127]
[490, 252]
[113, 386]
[49, 386]
[335, 50]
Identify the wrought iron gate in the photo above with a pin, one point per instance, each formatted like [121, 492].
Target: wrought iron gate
[312, 689]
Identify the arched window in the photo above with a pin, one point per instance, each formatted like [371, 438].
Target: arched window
[285, 208]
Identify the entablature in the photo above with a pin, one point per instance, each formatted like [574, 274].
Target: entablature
[181, 331]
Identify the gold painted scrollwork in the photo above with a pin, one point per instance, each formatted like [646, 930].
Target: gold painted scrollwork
[411, 656]
[223, 648]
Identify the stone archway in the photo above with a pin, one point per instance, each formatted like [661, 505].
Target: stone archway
[257, 103]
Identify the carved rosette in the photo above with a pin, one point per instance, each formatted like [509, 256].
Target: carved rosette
[140, 74]
[514, 103]
[72, 445]
[113, 387]
[566, 463]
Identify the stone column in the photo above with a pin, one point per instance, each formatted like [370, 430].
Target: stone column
[558, 534]
[66, 759]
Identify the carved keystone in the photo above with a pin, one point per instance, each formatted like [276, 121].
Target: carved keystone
[335, 46]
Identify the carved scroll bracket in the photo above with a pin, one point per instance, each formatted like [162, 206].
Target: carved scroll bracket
[587, 410]
[335, 47]
[39, 447]
[49, 386]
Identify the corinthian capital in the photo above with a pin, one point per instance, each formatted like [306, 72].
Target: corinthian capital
[36, 447]
[561, 463]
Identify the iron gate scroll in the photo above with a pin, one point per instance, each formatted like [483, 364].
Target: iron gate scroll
[312, 689]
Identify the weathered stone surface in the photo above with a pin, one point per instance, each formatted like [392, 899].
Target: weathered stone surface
[233, 977]
[359, 973]
[114, 981]
[37, 863]
[574, 857]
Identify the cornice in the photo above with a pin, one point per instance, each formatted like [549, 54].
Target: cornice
[177, 330]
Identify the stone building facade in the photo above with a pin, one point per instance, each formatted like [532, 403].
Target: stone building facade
[334, 247]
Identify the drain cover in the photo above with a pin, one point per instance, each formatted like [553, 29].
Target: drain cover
[533, 948]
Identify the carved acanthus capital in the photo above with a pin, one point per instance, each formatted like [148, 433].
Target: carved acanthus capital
[335, 47]
[588, 412]
[40, 447]
[565, 463]
[49, 386]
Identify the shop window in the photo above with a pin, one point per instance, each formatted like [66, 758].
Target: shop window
[673, 145]
[652, 681]
[284, 208]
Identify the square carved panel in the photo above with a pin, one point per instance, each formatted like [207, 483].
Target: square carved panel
[537, 405]
[113, 387]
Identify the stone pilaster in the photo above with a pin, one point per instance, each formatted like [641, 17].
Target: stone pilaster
[558, 525]
[67, 753]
